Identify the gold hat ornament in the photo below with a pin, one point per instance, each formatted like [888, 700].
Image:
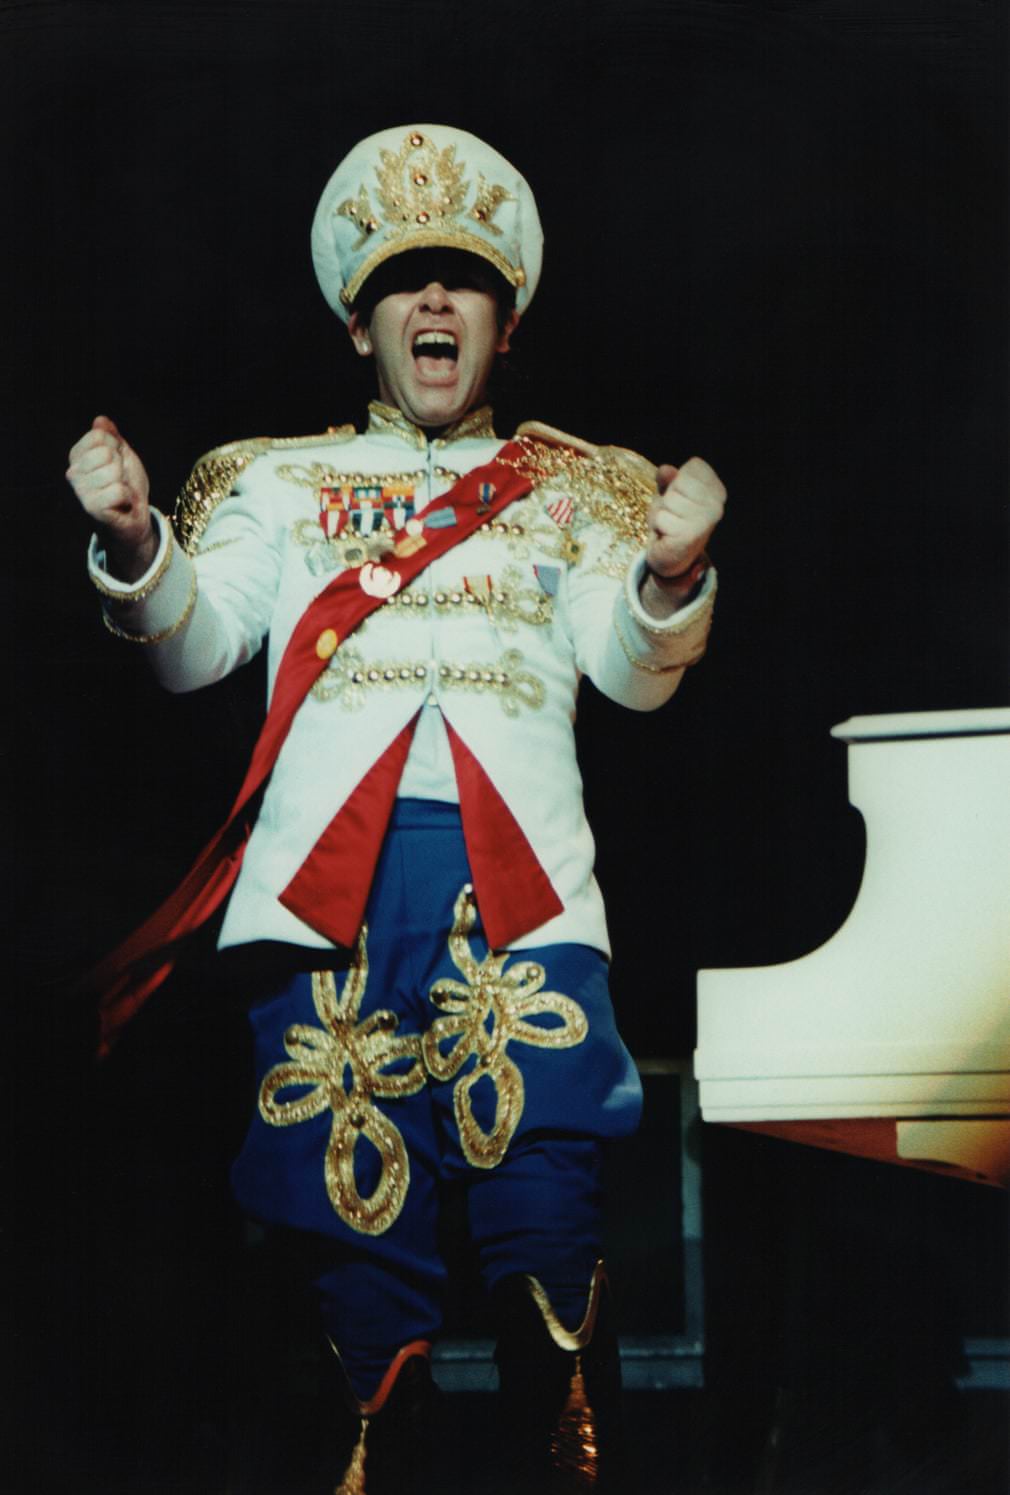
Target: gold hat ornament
[424, 187]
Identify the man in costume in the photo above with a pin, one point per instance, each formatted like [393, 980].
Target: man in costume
[408, 860]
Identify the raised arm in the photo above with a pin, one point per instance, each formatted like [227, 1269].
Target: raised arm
[112, 485]
[688, 506]
[198, 616]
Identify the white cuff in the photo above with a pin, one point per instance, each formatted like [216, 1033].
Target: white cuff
[676, 622]
[660, 644]
[115, 590]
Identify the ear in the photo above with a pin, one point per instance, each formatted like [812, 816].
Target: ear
[360, 336]
[511, 323]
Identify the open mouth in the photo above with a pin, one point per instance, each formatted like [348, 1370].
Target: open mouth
[435, 354]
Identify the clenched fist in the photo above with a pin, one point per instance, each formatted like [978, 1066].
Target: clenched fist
[687, 508]
[112, 485]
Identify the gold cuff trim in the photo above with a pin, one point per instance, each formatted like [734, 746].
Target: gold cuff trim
[641, 664]
[165, 633]
[127, 598]
[655, 628]
[572, 1340]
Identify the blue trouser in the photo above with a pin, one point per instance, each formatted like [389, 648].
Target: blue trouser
[421, 1057]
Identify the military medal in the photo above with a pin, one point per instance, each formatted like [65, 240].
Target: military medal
[333, 504]
[440, 519]
[378, 581]
[485, 493]
[561, 511]
[548, 577]
[398, 503]
[411, 540]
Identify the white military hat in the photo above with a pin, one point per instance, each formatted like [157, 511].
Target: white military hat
[424, 187]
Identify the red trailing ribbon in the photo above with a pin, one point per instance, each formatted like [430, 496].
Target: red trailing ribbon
[137, 967]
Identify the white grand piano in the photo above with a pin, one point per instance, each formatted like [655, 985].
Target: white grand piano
[892, 1040]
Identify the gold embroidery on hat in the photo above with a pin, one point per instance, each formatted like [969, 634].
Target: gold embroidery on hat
[482, 1015]
[421, 186]
[487, 202]
[422, 194]
[324, 1059]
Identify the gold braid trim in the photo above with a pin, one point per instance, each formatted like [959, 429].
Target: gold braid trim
[643, 664]
[213, 477]
[572, 1340]
[164, 634]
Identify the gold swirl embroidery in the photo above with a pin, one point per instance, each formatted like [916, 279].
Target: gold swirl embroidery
[349, 675]
[511, 530]
[482, 1015]
[341, 552]
[344, 1063]
[506, 602]
[513, 686]
[509, 602]
[528, 529]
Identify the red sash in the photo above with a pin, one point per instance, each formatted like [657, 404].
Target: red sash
[330, 889]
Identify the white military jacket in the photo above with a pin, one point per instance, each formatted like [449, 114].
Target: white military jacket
[493, 637]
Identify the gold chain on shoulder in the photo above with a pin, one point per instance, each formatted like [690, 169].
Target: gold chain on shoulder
[209, 483]
[609, 488]
[213, 477]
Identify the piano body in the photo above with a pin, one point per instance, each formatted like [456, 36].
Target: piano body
[892, 1040]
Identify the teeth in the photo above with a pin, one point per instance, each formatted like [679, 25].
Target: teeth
[435, 337]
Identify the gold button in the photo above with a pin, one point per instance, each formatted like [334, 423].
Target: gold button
[326, 643]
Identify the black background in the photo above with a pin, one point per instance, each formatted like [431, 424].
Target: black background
[776, 236]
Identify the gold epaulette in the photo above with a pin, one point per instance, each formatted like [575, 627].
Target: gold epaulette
[610, 485]
[214, 476]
